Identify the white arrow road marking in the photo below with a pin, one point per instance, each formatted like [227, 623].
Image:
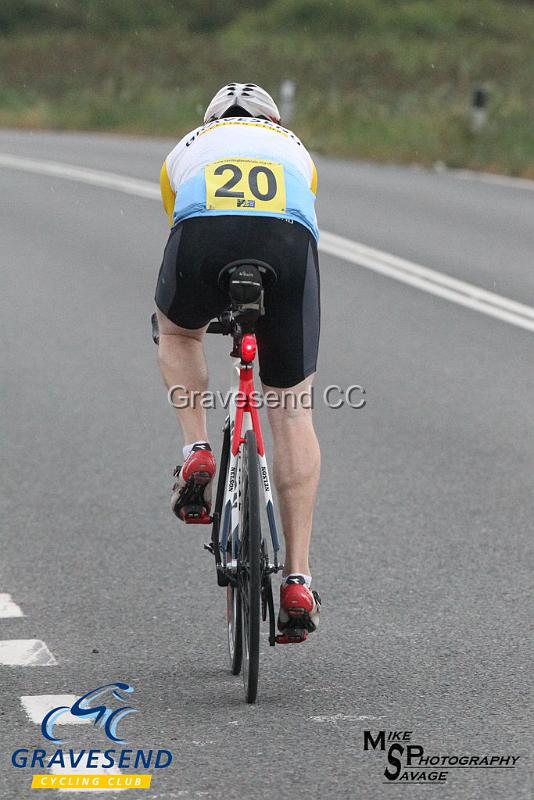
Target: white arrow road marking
[37, 706]
[8, 608]
[25, 653]
[400, 269]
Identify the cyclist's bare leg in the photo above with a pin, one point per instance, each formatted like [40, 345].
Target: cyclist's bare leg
[297, 462]
[182, 363]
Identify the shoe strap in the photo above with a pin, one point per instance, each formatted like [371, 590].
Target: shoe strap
[295, 579]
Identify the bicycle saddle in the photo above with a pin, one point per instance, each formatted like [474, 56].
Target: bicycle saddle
[245, 278]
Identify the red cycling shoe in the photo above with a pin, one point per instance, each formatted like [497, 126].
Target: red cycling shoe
[191, 493]
[299, 611]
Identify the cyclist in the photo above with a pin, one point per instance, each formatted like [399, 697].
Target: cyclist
[242, 186]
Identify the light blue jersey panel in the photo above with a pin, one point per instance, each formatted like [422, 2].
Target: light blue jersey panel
[300, 200]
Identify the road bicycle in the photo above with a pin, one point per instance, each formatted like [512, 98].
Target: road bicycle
[242, 559]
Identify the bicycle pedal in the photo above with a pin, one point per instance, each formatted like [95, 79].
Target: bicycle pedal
[293, 636]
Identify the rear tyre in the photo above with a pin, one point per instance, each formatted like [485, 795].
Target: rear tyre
[233, 605]
[235, 623]
[249, 566]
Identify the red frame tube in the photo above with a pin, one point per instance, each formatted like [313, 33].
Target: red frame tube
[247, 404]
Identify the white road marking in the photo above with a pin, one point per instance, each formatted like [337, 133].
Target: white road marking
[25, 653]
[489, 177]
[82, 769]
[57, 169]
[429, 280]
[37, 705]
[400, 269]
[8, 608]
[335, 718]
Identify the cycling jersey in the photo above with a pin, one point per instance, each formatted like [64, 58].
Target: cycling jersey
[240, 165]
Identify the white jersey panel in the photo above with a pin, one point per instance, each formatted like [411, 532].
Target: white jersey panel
[242, 138]
[232, 136]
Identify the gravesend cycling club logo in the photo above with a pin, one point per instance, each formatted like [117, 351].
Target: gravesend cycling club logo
[408, 762]
[94, 768]
[103, 716]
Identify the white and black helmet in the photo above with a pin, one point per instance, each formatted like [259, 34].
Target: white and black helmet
[248, 96]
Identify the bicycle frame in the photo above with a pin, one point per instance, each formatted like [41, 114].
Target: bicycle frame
[243, 416]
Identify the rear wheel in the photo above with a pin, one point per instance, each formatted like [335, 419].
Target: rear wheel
[233, 606]
[249, 566]
[234, 619]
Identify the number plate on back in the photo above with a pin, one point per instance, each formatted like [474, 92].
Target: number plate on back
[245, 184]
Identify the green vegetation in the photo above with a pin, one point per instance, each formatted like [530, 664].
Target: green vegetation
[378, 79]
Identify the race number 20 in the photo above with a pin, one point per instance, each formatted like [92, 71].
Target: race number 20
[247, 184]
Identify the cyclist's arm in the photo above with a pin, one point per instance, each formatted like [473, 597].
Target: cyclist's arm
[168, 196]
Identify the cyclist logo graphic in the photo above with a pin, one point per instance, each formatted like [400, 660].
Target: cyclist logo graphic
[104, 716]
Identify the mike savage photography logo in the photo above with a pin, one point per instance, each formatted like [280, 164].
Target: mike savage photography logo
[333, 396]
[77, 769]
[409, 762]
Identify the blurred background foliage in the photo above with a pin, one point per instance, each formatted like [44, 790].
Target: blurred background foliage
[379, 79]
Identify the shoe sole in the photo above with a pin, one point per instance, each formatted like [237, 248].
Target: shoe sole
[200, 478]
[296, 612]
[298, 627]
[191, 507]
[292, 636]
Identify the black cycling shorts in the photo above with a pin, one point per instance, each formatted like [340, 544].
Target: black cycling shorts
[188, 294]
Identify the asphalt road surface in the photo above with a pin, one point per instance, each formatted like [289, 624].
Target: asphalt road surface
[422, 548]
